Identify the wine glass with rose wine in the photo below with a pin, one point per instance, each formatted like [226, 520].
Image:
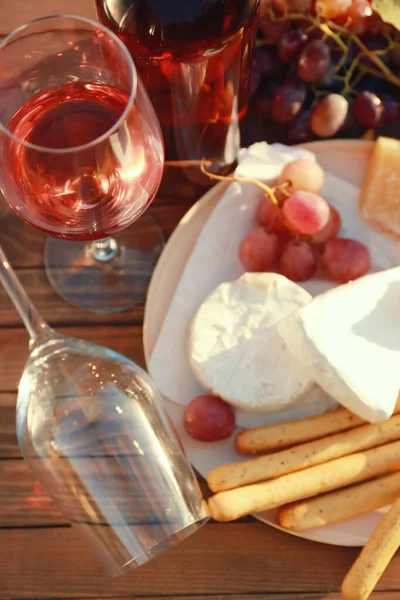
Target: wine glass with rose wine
[81, 157]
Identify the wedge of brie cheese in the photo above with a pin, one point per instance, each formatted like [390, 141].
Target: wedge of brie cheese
[235, 349]
[348, 339]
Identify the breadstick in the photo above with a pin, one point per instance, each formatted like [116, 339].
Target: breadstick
[345, 503]
[374, 557]
[276, 437]
[316, 452]
[232, 504]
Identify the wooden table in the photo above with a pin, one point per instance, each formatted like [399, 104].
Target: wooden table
[40, 555]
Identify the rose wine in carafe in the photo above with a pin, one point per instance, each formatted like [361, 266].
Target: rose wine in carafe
[194, 58]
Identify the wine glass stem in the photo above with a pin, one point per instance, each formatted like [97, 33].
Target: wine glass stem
[34, 323]
[104, 250]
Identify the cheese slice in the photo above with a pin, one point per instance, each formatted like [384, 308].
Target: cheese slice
[235, 350]
[348, 339]
[380, 194]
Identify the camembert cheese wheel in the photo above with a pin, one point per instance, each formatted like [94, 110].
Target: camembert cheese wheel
[235, 349]
[380, 197]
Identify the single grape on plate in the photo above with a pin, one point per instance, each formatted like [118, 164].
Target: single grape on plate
[207, 418]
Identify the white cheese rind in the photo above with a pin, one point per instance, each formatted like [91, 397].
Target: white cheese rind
[234, 347]
[348, 339]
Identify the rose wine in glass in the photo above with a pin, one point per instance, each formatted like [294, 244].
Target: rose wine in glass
[81, 158]
[194, 58]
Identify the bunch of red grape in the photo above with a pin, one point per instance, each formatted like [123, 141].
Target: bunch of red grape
[298, 231]
[325, 68]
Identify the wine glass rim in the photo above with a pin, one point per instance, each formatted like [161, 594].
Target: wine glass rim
[121, 118]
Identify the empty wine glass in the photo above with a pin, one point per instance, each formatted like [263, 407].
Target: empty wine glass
[92, 427]
[81, 157]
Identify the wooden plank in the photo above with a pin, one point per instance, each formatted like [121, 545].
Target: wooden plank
[24, 503]
[14, 347]
[8, 439]
[24, 245]
[239, 558]
[267, 596]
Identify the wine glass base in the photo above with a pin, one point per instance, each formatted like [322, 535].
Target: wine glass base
[106, 286]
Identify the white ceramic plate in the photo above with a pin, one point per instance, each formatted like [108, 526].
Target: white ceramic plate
[347, 159]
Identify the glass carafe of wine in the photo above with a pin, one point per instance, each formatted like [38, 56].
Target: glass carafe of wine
[194, 58]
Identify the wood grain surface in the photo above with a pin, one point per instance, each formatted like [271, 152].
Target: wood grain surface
[43, 558]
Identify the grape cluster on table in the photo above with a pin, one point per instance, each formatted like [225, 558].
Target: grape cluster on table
[323, 69]
[297, 231]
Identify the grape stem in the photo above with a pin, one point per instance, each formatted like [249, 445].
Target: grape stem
[324, 27]
[268, 190]
[378, 62]
[336, 32]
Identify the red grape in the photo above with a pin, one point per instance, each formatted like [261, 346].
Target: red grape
[395, 57]
[332, 9]
[259, 250]
[359, 12]
[269, 215]
[391, 110]
[293, 6]
[314, 61]
[280, 196]
[299, 129]
[265, 6]
[344, 259]
[368, 109]
[273, 29]
[291, 43]
[299, 6]
[263, 105]
[268, 62]
[209, 419]
[331, 229]
[329, 115]
[306, 213]
[297, 261]
[255, 77]
[304, 174]
[375, 24]
[288, 100]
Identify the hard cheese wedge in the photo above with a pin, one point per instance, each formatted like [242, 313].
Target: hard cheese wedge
[380, 195]
[348, 340]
